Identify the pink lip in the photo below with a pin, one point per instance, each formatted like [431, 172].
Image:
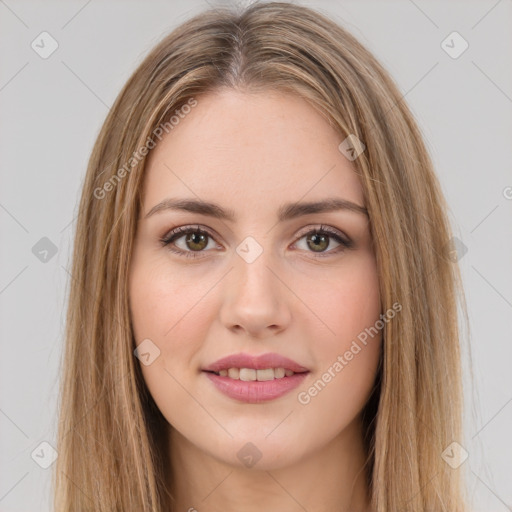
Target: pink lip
[254, 392]
[268, 360]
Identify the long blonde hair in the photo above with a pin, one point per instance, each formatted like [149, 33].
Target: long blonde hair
[111, 436]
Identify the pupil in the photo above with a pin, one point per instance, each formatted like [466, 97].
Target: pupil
[192, 238]
[318, 239]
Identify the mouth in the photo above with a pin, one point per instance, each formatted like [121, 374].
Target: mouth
[254, 391]
[246, 363]
[252, 374]
[255, 379]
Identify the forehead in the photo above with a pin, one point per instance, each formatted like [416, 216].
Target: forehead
[250, 149]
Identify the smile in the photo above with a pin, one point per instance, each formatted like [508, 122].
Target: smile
[251, 374]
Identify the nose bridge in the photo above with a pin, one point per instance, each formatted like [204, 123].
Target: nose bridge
[254, 298]
[253, 261]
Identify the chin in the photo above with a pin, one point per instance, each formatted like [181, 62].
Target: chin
[260, 453]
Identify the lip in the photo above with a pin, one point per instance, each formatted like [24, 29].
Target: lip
[254, 392]
[261, 362]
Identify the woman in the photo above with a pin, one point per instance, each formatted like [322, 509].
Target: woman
[263, 312]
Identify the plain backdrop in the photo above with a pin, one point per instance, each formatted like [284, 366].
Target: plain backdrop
[52, 109]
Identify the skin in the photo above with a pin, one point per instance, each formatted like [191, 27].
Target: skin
[251, 153]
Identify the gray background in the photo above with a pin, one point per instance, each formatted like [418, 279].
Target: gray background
[51, 112]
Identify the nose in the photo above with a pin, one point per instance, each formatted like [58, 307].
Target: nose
[255, 299]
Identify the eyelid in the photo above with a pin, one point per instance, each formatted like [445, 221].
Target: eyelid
[183, 230]
[323, 228]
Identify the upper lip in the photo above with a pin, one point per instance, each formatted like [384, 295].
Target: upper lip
[261, 362]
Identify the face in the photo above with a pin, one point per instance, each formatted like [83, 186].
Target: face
[263, 279]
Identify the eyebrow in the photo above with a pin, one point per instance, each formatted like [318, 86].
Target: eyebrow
[286, 212]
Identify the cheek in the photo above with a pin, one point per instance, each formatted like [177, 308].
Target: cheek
[347, 302]
[342, 384]
[167, 310]
[335, 398]
[173, 309]
[348, 354]
[166, 305]
[359, 305]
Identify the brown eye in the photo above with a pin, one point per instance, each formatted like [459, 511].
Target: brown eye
[318, 242]
[195, 241]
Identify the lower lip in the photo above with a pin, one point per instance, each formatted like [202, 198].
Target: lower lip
[254, 392]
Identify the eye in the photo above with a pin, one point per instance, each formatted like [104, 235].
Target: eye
[196, 240]
[319, 239]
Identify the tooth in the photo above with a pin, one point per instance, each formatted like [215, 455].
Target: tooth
[233, 373]
[279, 373]
[247, 374]
[250, 374]
[267, 374]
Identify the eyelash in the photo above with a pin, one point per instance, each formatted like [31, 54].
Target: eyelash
[177, 233]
